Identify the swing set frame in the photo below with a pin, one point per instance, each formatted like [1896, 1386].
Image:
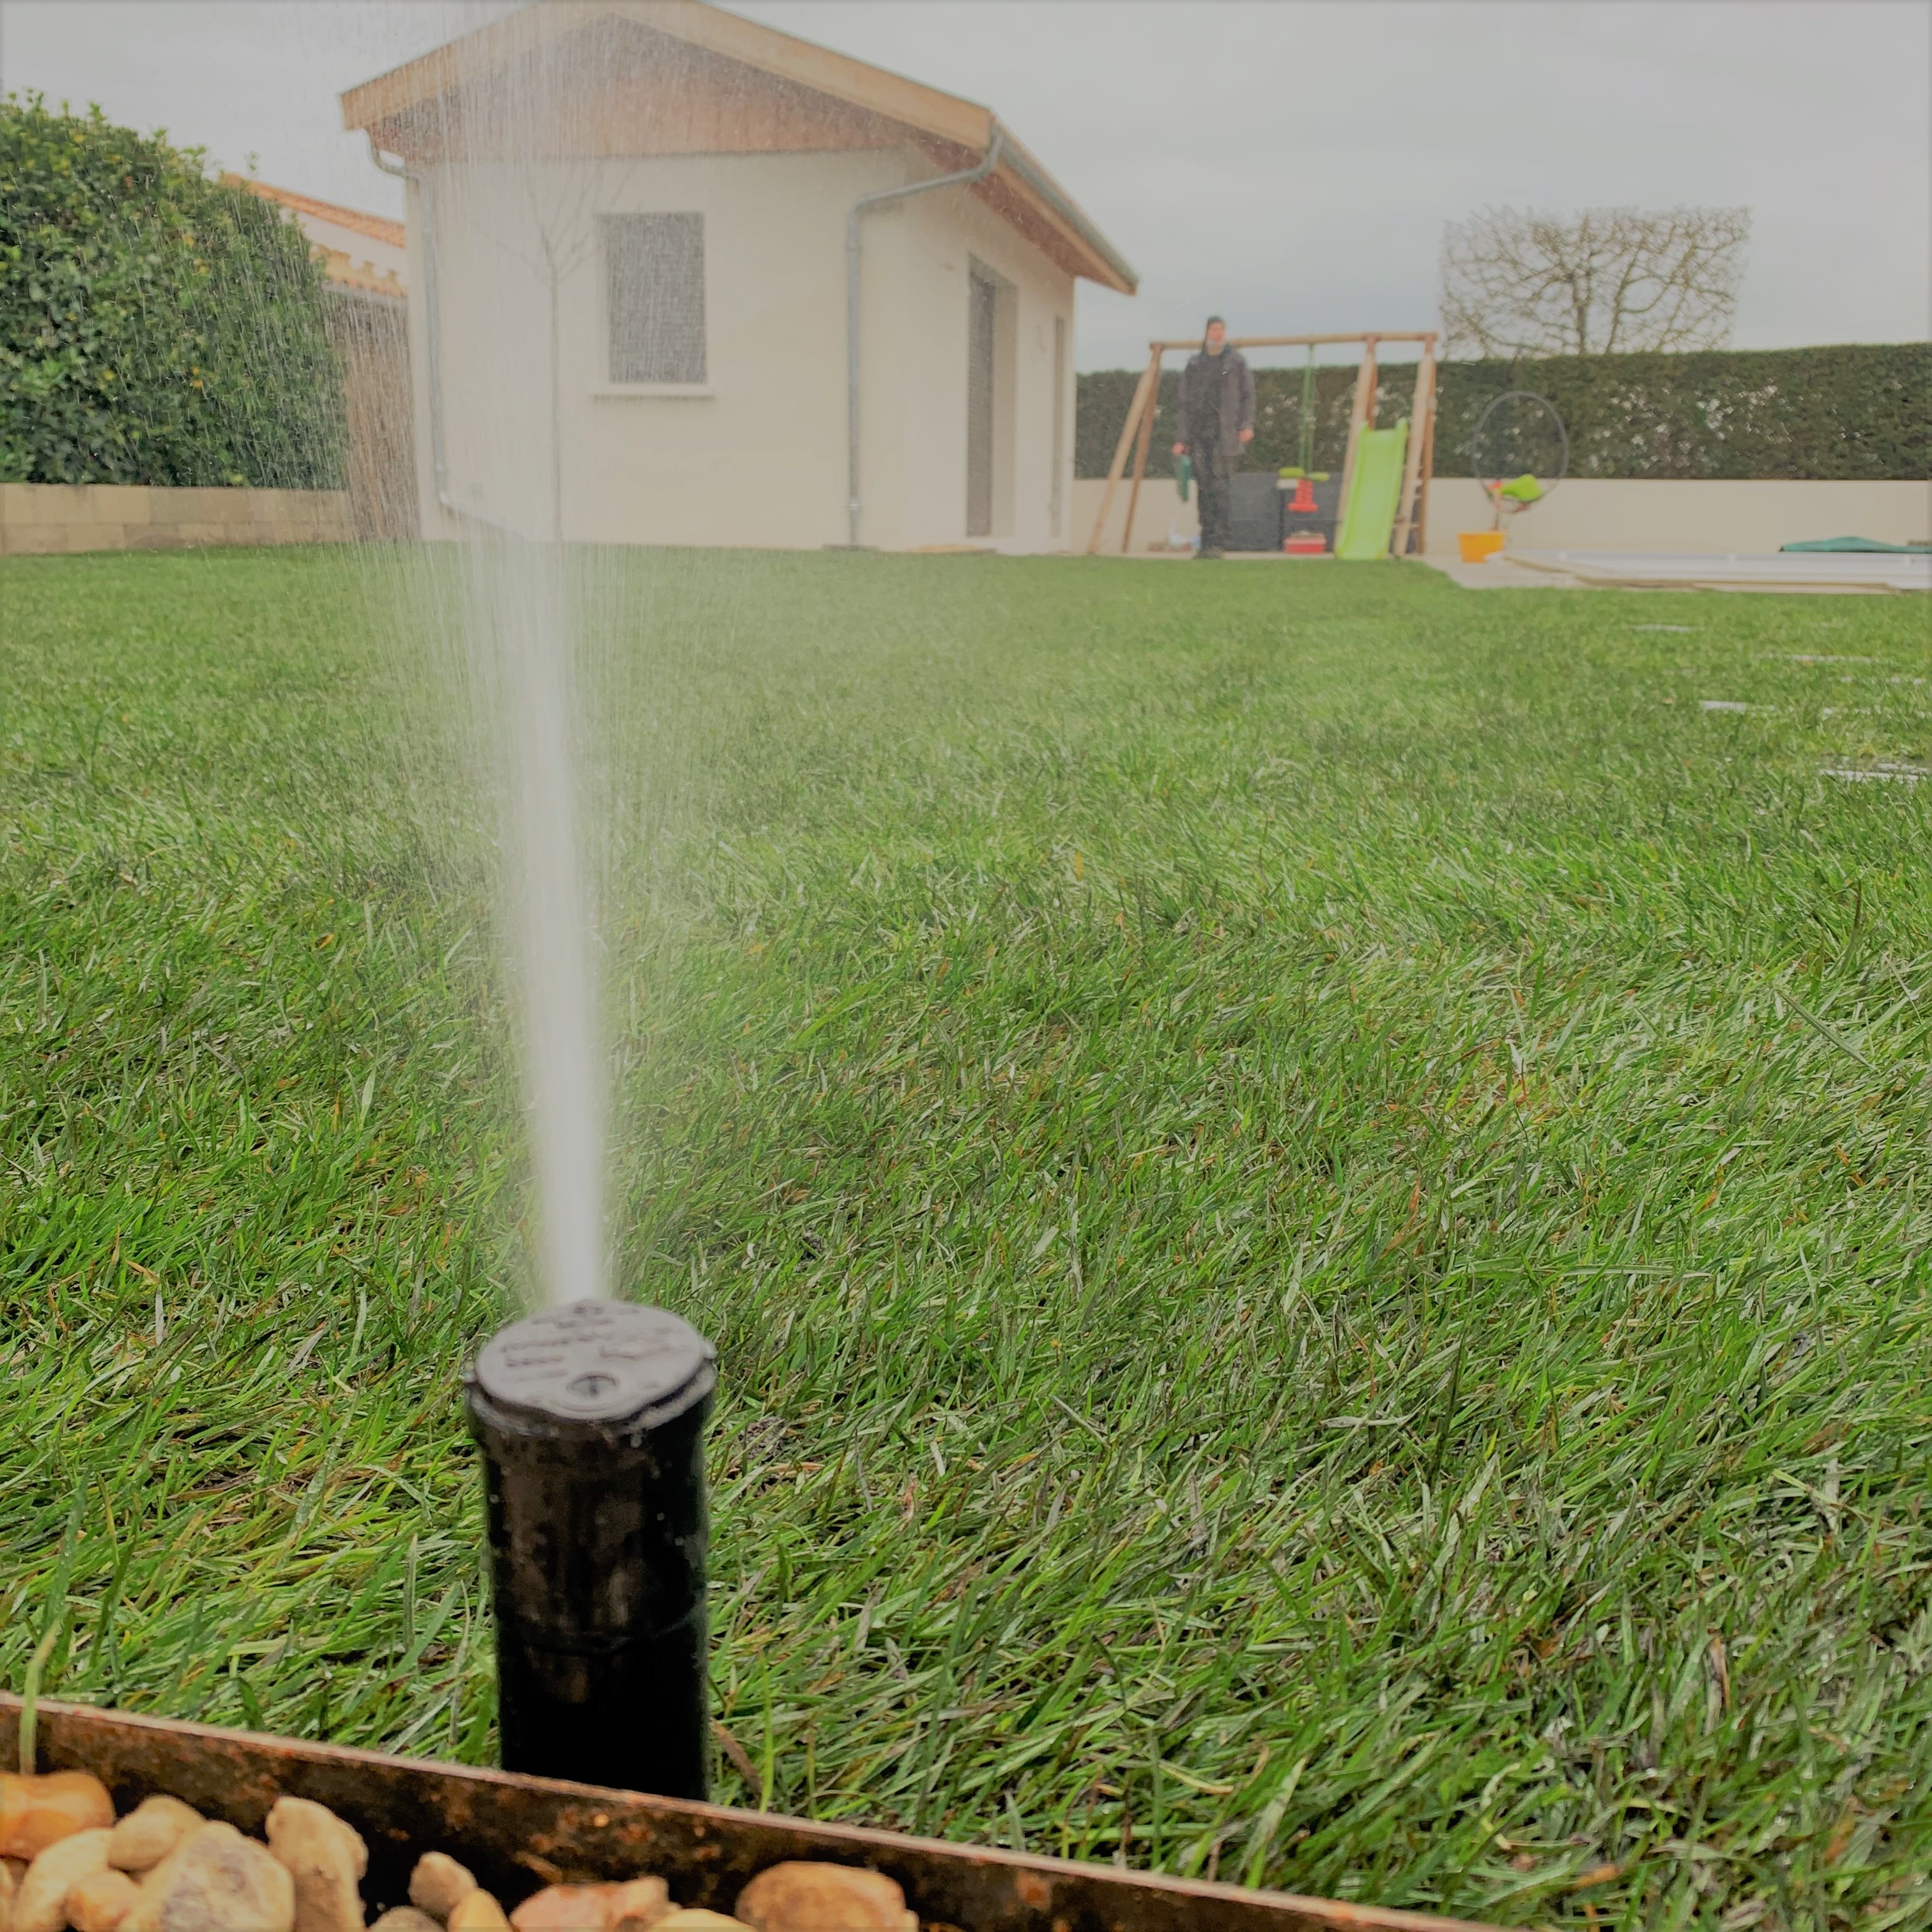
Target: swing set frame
[1411, 520]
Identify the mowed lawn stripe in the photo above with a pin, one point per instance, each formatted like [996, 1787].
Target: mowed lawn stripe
[1314, 1189]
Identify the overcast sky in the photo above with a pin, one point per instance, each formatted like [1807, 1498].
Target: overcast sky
[1290, 163]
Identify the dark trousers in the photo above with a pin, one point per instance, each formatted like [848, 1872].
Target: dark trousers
[1214, 476]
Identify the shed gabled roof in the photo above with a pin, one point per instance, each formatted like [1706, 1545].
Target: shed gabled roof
[829, 100]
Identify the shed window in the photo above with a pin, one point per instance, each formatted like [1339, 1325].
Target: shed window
[654, 267]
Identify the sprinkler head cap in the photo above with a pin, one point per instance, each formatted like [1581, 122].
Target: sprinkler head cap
[594, 1366]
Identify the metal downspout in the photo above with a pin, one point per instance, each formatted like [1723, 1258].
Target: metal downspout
[433, 334]
[964, 177]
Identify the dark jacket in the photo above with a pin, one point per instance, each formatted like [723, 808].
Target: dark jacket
[1217, 389]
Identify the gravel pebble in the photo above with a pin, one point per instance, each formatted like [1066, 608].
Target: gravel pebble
[37, 1812]
[150, 1831]
[215, 1880]
[439, 1885]
[99, 1903]
[325, 1858]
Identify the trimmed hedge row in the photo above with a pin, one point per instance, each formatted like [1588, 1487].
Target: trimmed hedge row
[156, 326]
[1861, 412]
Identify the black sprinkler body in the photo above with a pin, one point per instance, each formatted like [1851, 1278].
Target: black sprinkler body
[591, 1420]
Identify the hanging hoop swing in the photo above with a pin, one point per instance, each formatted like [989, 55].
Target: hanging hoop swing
[1518, 452]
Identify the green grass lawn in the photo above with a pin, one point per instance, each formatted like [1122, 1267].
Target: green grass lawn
[1315, 1190]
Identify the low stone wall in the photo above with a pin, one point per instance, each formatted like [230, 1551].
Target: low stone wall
[1592, 513]
[46, 519]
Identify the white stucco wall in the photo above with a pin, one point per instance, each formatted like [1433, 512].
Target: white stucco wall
[757, 455]
[912, 481]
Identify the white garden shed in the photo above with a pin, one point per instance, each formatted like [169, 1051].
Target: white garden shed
[631, 228]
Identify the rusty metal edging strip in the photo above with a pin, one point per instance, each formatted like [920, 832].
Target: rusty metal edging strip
[517, 1833]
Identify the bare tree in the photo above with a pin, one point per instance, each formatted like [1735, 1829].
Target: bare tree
[532, 122]
[566, 233]
[562, 199]
[1517, 282]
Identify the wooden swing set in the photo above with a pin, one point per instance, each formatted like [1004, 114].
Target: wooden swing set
[1412, 518]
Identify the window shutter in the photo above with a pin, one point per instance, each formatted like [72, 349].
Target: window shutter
[654, 266]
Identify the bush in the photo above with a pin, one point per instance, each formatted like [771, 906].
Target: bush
[156, 326]
[1859, 411]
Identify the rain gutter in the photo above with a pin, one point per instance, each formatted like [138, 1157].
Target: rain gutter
[433, 334]
[964, 179]
[1050, 191]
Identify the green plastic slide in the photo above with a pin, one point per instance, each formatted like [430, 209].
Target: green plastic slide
[1368, 517]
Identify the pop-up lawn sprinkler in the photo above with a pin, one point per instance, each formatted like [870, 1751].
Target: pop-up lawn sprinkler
[591, 1420]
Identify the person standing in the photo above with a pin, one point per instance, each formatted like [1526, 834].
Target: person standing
[1216, 418]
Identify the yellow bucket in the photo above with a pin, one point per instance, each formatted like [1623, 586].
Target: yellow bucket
[1479, 546]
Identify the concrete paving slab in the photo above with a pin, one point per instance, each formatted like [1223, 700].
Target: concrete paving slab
[1812, 571]
[1501, 573]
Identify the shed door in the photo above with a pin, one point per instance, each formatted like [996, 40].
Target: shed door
[981, 296]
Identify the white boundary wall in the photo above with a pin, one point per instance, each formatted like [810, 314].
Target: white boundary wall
[1590, 514]
[1690, 518]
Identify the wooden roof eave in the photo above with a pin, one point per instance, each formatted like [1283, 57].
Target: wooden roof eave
[531, 29]
[1017, 201]
[1051, 206]
[956, 133]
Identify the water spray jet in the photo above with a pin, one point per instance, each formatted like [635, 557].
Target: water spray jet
[591, 1419]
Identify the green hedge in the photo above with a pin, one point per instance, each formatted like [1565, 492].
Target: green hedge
[156, 326]
[1860, 412]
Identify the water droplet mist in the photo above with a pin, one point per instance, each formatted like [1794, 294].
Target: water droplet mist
[511, 635]
[522, 609]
